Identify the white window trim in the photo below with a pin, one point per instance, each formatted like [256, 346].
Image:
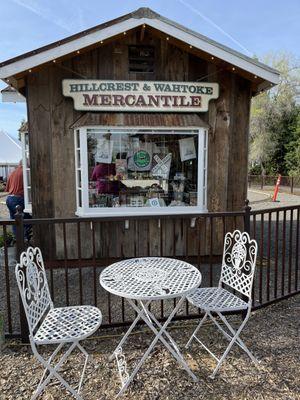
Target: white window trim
[86, 211]
[28, 205]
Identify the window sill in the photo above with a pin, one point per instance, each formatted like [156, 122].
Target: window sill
[140, 211]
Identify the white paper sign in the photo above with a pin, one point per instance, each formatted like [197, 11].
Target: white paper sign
[154, 202]
[187, 149]
[104, 151]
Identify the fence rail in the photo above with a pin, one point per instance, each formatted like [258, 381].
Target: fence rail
[288, 183]
[80, 249]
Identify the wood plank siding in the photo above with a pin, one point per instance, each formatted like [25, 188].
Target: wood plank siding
[52, 116]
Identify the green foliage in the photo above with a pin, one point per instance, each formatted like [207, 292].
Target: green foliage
[274, 125]
[9, 239]
[292, 156]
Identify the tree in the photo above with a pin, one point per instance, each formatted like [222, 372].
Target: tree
[22, 126]
[292, 157]
[274, 117]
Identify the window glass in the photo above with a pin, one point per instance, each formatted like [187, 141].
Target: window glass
[142, 168]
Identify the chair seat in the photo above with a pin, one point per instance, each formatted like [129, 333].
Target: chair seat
[67, 324]
[216, 299]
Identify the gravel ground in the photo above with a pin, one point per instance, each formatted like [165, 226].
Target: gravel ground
[272, 334]
[283, 199]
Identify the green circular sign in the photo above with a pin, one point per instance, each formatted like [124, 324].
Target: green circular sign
[141, 158]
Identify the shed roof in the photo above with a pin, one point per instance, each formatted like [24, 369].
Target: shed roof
[140, 17]
[191, 120]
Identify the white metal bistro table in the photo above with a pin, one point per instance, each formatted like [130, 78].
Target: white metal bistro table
[144, 280]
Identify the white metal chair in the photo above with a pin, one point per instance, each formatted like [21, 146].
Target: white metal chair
[238, 266]
[49, 325]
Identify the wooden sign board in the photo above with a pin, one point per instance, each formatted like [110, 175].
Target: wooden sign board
[100, 95]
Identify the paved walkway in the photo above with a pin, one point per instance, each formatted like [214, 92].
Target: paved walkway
[260, 199]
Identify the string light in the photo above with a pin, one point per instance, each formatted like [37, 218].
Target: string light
[144, 26]
[78, 51]
[124, 33]
[29, 70]
[255, 77]
[233, 68]
[212, 57]
[167, 38]
[54, 61]
[101, 42]
[191, 46]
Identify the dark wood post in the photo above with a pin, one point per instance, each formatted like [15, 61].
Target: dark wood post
[20, 246]
[292, 184]
[247, 210]
[19, 231]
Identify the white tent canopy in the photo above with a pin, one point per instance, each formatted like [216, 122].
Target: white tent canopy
[10, 153]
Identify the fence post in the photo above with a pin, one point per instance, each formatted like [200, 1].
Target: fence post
[247, 210]
[292, 184]
[262, 182]
[19, 248]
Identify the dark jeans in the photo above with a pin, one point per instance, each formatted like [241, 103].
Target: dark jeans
[12, 202]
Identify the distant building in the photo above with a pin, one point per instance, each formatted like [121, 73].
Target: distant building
[10, 154]
[11, 95]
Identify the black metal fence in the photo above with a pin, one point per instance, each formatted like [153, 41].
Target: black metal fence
[81, 250]
[289, 184]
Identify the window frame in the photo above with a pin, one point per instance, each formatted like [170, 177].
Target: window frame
[86, 211]
[26, 187]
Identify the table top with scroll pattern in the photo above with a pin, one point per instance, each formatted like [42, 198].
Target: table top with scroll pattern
[150, 278]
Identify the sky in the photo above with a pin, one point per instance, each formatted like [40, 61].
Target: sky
[255, 27]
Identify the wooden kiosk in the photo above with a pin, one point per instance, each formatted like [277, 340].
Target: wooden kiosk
[138, 116]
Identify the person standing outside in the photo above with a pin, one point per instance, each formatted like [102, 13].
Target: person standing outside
[15, 189]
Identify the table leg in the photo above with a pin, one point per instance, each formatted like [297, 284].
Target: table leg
[139, 312]
[173, 350]
[144, 314]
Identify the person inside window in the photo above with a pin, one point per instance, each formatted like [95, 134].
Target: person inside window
[107, 182]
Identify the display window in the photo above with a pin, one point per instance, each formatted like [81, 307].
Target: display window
[140, 171]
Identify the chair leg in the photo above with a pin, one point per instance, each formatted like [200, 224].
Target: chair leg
[84, 352]
[196, 330]
[233, 340]
[239, 341]
[49, 361]
[53, 370]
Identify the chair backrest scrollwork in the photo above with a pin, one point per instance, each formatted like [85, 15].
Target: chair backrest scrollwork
[33, 286]
[239, 259]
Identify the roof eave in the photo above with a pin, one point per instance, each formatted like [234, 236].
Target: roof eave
[160, 23]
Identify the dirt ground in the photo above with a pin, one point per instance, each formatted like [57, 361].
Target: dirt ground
[271, 333]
